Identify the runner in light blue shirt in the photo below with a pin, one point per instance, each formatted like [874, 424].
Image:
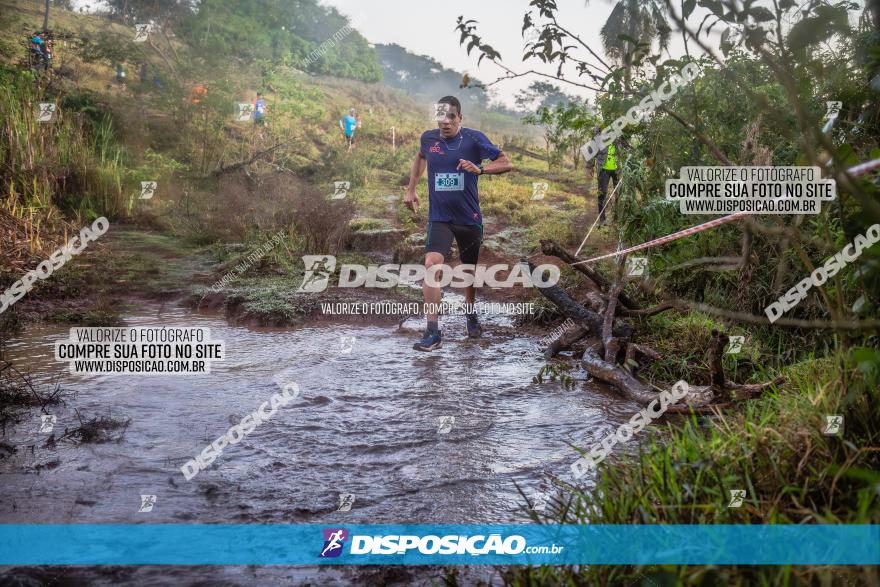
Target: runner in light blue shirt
[348, 124]
[259, 109]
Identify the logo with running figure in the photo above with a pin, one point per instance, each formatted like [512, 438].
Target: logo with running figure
[539, 189]
[736, 344]
[141, 32]
[245, 112]
[637, 266]
[46, 111]
[319, 268]
[832, 109]
[340, 190]
[334, 540]
[47, 423]
[441, 111]
[147, 503]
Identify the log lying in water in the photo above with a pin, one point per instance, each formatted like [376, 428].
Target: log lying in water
[598, 318]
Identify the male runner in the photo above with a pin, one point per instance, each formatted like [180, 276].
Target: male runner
[348, 124]
[453, 155]
[39, 51]
[259, 109]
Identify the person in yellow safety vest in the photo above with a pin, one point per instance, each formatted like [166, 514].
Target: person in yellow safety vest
[606, 162]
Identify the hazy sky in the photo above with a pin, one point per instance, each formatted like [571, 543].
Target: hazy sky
[427, 28]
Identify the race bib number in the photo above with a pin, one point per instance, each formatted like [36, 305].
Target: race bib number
[448, 182]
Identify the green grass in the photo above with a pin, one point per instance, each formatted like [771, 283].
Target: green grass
[772, 447]
[168, 139]
[55, 169]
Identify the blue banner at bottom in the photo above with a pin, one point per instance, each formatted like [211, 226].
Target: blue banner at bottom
[452, 544]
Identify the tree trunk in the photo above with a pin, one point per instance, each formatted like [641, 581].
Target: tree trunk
[716, 356]
[627, 385]
[46, 17]
[547, 146]
[587, 319]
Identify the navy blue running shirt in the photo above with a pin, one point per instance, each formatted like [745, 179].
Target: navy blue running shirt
[452, 193]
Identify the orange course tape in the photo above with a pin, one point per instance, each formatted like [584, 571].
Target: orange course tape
[857, 170]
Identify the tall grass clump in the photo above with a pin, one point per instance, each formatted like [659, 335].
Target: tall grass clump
[70, 166]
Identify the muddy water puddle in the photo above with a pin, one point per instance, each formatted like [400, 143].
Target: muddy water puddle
[440, 437]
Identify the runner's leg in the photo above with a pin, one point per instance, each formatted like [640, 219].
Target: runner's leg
[432, 294]
[603, 190]
[616, 179]
[469, 239]
[437, 246]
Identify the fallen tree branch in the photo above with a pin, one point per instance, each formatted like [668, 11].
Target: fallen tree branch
[857, 325]
[723, 262]
[739, 393]
[684, 306]
[565, 340]
[585, 318]
[634, 350]
[552, 248]
[228, 168]
[659, 308]
[621, 379]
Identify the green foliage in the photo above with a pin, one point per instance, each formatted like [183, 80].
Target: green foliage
[295, 99]
[762, 104]
[553, 372]
[104, 47]
[774, 449]
[567, 126]
[300, 33]
[63, 164]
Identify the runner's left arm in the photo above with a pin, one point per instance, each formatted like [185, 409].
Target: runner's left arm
[501, 164]
[498, 161]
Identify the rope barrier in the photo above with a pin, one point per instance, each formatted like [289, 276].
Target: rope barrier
[670, 237]
[856, 171]
[598, 216]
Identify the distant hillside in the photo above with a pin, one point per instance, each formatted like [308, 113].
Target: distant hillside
[423, 75]
[426, 80]
[301, 33]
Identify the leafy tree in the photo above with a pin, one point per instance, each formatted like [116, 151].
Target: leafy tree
[630, 31]
[566, 121]
[300, 33]
[540, 94]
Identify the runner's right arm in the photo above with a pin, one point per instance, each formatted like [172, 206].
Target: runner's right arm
[411, 200]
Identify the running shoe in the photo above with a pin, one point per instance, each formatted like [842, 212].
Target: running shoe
[430, 341]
